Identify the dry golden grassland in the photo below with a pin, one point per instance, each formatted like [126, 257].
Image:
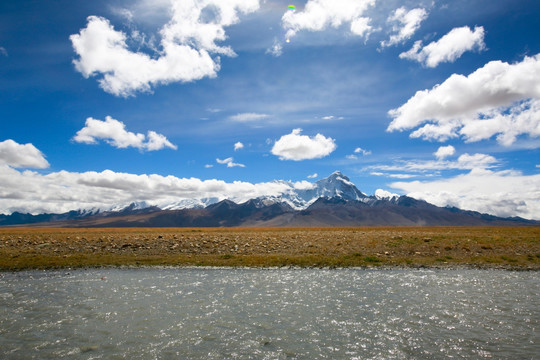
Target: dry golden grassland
[34, 248]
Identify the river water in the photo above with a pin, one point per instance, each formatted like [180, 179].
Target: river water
[183, 313]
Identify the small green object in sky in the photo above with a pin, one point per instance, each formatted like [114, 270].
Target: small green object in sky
[292, 7]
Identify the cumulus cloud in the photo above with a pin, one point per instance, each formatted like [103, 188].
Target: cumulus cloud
[448, 48]
[114, 133]
[295, 146]
[507, 123]
[188, 41]
[238, 146]
[359, 150]
[248, 117]
[157, 142]
[57, 192]
[501, 193]
[498, 99]
[321, 14]
[313, 176]
[21, 155]
[383, 194]
[405, 24]
[229, 162]
[444, 151]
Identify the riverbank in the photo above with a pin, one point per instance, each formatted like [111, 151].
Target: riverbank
[483, 247]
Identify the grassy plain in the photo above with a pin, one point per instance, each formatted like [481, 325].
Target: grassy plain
[489, 247]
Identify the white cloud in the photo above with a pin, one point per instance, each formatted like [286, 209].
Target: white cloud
[464, 162]
[321, 14]
[359, 150]
[313, 176]
[238, 146]
[405, 24]
[122, 12]
[448, 48]
[303, 185]
[21, 156]
[361, 26]
[3, 51]
[498, 99]
[229, 162]
[276, 49]
[302, 147]
[506, 122]
[501, 193]
[401, 176]
[383, 194]
[444, 151]
[187, 42]
[248, 117]
[157, 142]
[332, 117]
[57, 192]
[394, 176]
[114, 133]
[208, 166]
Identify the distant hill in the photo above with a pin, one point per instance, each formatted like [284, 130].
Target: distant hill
[333, 201]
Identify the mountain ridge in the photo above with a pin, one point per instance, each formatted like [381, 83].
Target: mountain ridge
[332, 201]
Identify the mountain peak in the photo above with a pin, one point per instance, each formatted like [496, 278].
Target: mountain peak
[337, 173]
[337, 176]
[337, 185]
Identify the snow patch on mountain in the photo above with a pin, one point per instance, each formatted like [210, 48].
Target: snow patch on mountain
[381, 194]
[191, 204]
[138, 205]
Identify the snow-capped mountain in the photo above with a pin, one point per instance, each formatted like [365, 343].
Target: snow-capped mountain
[333, 201]
[299, 196]
[190, 204]
[337, 185]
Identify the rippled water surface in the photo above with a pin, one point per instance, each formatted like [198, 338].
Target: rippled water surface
[269, 314]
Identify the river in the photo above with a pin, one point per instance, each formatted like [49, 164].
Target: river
[194, 313]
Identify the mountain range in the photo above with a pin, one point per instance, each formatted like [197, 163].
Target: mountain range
[333, 201]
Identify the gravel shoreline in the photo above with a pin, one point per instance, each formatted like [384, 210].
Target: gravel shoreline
[433, 247]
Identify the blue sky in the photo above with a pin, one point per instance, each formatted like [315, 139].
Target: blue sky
[108, 102]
